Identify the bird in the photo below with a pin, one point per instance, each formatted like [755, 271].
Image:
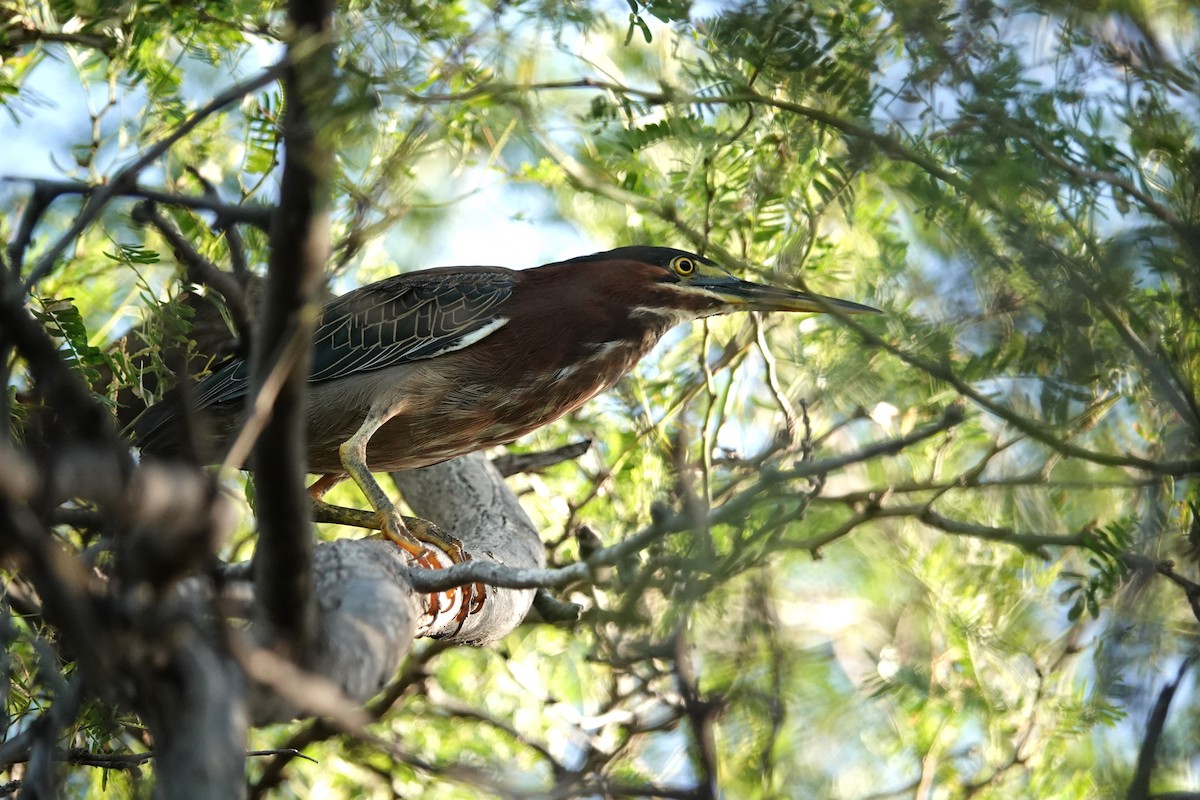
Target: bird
[424, 366]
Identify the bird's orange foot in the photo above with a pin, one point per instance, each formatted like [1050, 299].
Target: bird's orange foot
[409, 534]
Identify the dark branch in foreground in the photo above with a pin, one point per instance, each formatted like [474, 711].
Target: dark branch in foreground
[199, 269]
[130, 762]
[1139, 787]
[226, 213]
[1167, 570]
[299, 251]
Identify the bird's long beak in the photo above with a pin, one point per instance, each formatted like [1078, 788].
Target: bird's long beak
[746, 296]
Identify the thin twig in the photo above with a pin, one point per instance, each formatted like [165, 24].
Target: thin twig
[199, 269]
[663, 524]
[26, 32]
[125, 179]
[515, 463]
[226, 213]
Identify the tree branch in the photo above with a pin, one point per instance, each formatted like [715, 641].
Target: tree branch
[124, 180]
[299, 252]
[1027, 426]
[317, 730]
[27, 33]
[513, 463]
[45, 191]
[199, 269]
[664, 524]
[1139, 786]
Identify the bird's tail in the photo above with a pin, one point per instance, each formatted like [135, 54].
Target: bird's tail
[175, 428]
[160, 430]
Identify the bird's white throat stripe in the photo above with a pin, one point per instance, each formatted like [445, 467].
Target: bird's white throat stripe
[566, 372]
[604, 348]
[600, 351]
[672, 315]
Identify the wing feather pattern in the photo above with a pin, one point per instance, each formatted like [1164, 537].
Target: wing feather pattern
[391, 322]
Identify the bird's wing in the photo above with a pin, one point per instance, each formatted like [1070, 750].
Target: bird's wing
[393, 321]
[407, 318]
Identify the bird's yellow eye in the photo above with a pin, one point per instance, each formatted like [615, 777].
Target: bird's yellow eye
[683, 265]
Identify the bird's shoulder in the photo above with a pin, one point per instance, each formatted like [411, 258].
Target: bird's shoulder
[402, 318]
[441, 287]
[409, 317]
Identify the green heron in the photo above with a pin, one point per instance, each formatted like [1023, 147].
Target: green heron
[419, 368]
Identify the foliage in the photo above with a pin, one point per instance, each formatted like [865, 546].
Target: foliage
[987, 606]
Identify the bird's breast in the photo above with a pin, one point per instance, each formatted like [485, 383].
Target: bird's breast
[538, 397]
[477, 398]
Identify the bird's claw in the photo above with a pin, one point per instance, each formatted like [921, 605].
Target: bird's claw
[411, 538]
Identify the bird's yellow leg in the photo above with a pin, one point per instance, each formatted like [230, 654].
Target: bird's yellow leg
[407, 533]
[360, 518]
[353, 454]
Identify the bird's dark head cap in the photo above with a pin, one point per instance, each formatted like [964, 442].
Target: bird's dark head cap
[664, 257]
[699, 286]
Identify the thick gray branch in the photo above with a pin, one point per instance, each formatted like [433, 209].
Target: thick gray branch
[367, 618]
[369, 612]
[468, 498]
[198, 717]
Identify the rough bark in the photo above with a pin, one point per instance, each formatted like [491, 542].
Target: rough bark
[368, 612]
[197, 711]
[468, 498]
[367, 618]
